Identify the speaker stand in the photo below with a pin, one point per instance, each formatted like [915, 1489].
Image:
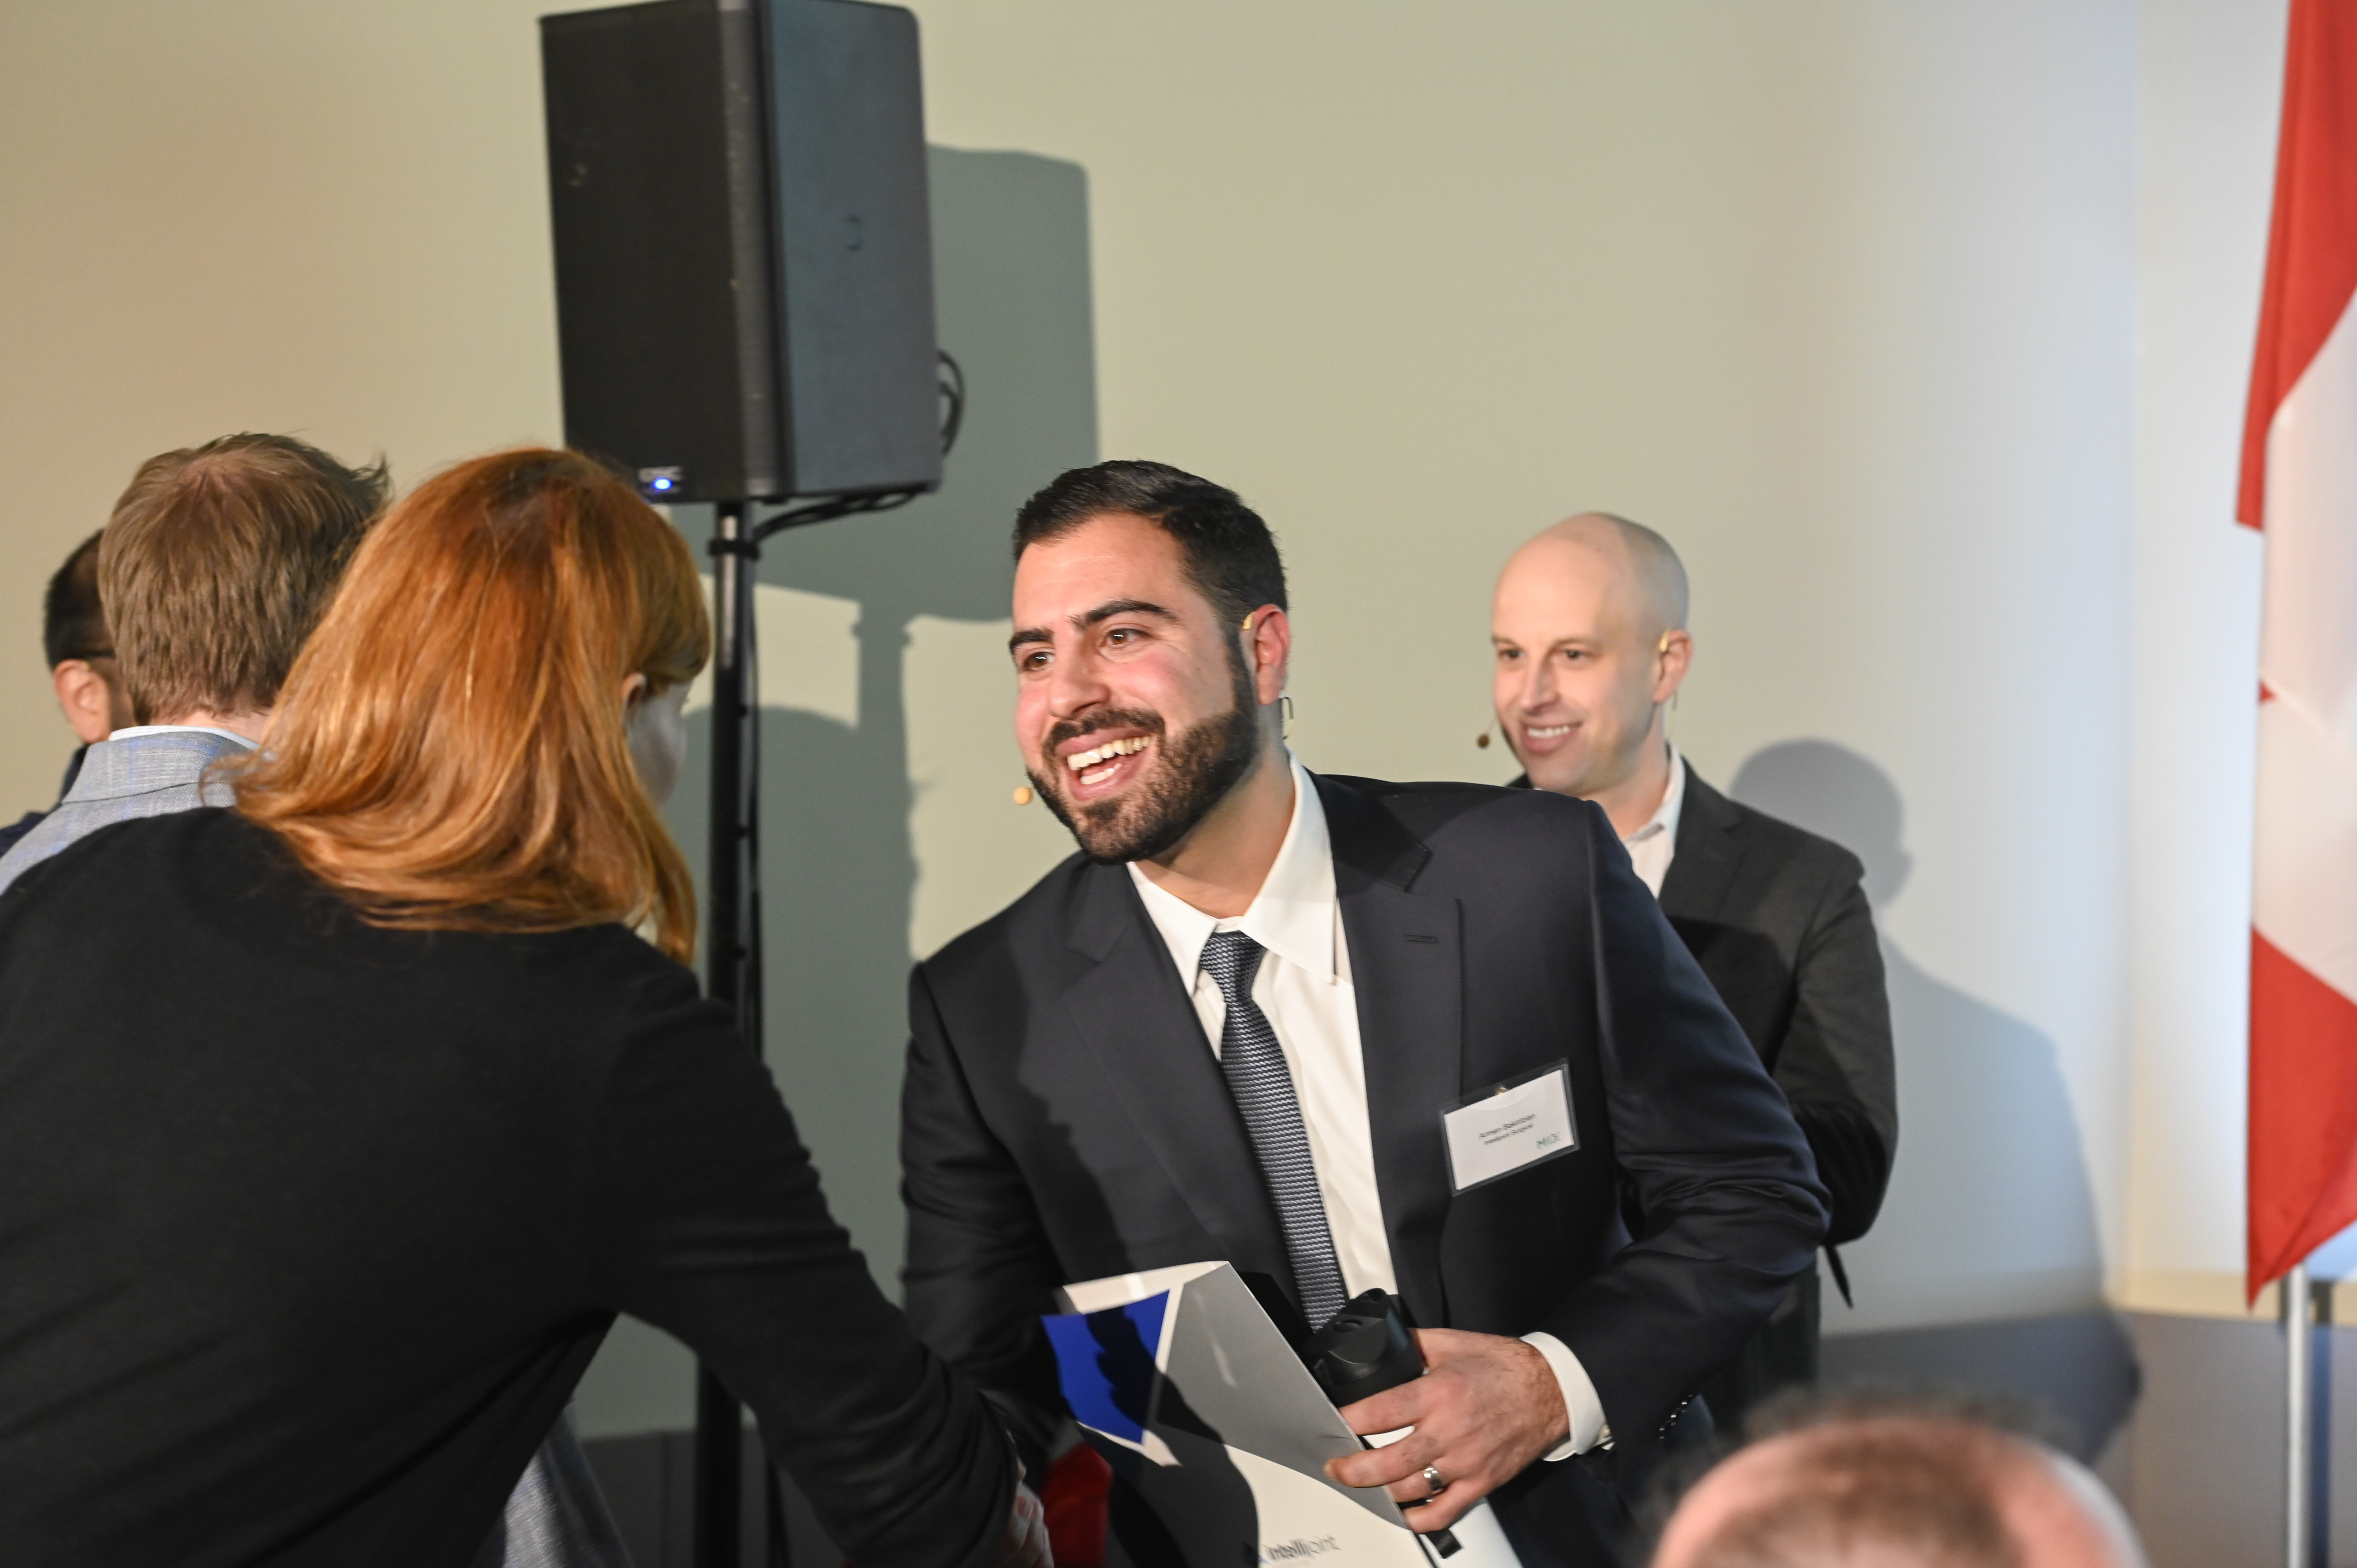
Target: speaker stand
[732, 929]
[732, 958]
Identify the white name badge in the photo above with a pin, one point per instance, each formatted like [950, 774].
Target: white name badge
[1501, 1129]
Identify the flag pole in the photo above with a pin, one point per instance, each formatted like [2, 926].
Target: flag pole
[2299, 488]
[2299, 1389]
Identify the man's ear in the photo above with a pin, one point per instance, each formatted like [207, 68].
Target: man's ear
[86, 698]
[1267, 636]
[1675, 653]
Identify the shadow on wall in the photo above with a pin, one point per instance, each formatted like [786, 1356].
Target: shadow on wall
[838, 870]
[1990, 1217]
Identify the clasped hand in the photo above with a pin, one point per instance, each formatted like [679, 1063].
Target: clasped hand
[1025, 1543]
[1486, 1407]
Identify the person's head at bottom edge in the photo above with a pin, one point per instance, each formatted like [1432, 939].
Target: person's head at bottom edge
[1895, 1481]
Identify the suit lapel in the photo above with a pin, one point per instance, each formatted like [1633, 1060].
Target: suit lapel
[1709, 852]
[1407, 967]
[1133, 1013]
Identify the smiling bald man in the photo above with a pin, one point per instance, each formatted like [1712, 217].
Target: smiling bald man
[1589, 629]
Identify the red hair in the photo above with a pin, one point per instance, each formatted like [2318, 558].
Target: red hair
[450, 752]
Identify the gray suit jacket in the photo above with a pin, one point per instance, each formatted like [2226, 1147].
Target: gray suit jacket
[556, 1517]
[123, 780]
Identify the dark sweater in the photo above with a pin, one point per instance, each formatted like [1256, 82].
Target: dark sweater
[308, 1228]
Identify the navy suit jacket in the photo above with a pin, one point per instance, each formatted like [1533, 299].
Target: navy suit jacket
[1063, 1118]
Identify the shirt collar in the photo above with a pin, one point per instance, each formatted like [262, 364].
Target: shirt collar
[137, 730]
[1664, 819]
[1293, 914]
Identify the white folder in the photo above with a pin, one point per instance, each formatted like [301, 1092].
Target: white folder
[1184, 1385]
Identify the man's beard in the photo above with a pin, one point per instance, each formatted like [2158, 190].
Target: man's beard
[1193, 773]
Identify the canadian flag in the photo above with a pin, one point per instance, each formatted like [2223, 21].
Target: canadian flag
[2299, 485]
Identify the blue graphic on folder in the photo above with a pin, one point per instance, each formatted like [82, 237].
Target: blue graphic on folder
[1106, 1361]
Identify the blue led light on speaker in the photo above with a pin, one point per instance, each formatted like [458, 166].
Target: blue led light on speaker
[662, 482]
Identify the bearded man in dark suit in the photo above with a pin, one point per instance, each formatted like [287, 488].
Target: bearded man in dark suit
[1229, 1029]
[1589, 627]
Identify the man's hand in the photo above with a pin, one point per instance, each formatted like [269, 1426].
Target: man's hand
[1025, 1545]
[1484, 1410]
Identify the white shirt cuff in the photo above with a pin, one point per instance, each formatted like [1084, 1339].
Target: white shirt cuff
[1579, 1399]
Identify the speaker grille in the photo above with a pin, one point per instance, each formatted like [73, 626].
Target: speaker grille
[743, 254]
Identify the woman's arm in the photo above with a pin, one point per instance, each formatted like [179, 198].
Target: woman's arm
[711, 1225]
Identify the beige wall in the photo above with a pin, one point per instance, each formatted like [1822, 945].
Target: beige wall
[2209, 82]
[319, 218]
[1843, 298]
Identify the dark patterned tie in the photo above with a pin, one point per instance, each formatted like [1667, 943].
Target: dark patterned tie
[1263, 1087]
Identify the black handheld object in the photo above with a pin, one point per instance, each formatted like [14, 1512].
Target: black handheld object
[1365, 1348]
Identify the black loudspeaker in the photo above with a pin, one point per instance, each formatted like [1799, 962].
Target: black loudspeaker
[744, 257]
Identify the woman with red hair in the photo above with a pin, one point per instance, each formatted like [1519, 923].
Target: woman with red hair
[335, 1127]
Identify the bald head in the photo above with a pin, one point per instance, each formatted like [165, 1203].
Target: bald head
[1625, 559]
[1590, 629]
[1898, 1491]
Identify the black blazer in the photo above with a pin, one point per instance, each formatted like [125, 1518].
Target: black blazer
[1778, 918]
[1064, 1120]
[307, 1228]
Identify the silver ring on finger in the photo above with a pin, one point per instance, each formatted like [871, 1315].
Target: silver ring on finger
[1436, 1480]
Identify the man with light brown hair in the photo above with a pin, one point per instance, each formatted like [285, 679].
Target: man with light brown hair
[216, 563]
[1867, 1482]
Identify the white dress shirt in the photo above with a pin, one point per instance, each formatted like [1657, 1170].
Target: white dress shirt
[1651, 847]
[1304, 988]
[133, 730]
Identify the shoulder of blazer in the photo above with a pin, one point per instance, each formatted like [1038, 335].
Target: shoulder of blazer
[1381, 831]
[1390, 832]
[1039, 921]
[1714, 828]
